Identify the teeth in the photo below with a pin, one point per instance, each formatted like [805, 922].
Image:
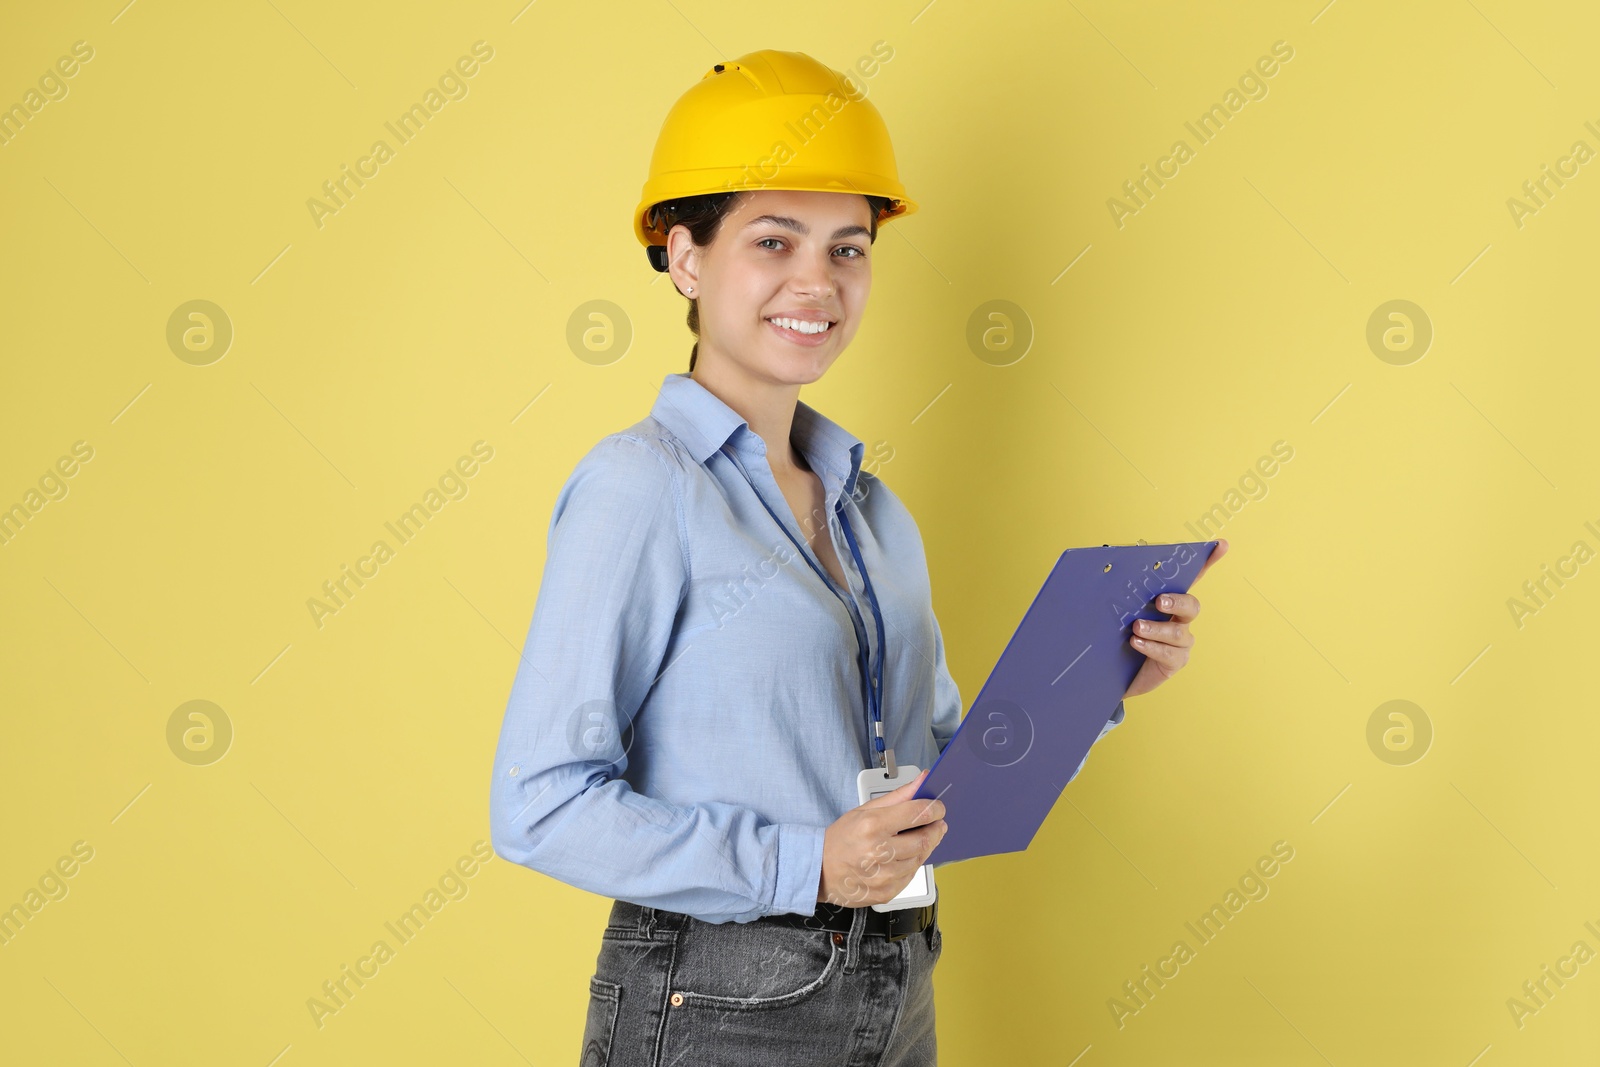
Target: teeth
[801, 326]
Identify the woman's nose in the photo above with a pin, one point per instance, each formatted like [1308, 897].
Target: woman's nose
[814, 278]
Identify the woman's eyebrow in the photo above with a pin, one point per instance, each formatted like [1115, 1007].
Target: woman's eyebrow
[802, 229]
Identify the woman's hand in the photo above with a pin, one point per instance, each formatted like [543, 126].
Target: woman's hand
[1166, 644]
[865, 857]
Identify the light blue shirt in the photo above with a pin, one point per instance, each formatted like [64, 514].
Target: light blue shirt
[689, 713]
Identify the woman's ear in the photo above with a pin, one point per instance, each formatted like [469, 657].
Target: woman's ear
[683, 260]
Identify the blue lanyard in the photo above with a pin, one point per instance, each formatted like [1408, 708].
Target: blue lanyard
[874, 674]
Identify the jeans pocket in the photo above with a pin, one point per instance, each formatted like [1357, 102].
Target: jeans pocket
[601, 1025]
[752, 966]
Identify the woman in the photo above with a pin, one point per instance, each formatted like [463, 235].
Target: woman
[735, 619]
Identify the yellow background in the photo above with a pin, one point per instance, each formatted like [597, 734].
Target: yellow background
[368, 354]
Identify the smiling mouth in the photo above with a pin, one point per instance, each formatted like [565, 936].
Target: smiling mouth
[804, 337]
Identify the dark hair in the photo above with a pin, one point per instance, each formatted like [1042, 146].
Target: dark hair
[703, 216]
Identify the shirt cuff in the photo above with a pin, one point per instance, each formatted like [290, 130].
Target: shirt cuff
[799, 868]
[1116, 716]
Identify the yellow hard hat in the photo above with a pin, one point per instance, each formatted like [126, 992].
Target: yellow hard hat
[768, 120]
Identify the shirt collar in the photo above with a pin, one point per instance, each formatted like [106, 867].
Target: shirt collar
[700, 419]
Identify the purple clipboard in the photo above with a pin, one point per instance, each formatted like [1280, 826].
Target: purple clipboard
[1052, 691]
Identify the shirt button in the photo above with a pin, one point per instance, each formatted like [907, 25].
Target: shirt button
[677, 999]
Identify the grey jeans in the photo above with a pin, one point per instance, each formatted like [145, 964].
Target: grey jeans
[670, 990]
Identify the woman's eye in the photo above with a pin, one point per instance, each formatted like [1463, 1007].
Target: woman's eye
[858, 252]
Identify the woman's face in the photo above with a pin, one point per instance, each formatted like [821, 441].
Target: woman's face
[779, 254]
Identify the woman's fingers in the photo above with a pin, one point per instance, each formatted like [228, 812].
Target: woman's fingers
[1171, 633]
[1183, 607]
[1173, 656]
[899, 795]
[901, 854]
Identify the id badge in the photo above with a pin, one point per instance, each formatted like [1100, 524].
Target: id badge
[875, 782]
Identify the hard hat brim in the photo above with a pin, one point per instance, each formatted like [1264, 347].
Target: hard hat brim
[682, 184]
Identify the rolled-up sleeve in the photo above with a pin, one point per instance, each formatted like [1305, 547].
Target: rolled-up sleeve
[946, 694]
[1111, 724]
[616, 572]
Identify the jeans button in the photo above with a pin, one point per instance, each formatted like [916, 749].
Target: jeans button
[677, 998]
[838, 938]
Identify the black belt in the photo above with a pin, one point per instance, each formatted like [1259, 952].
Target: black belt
[892, 924]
